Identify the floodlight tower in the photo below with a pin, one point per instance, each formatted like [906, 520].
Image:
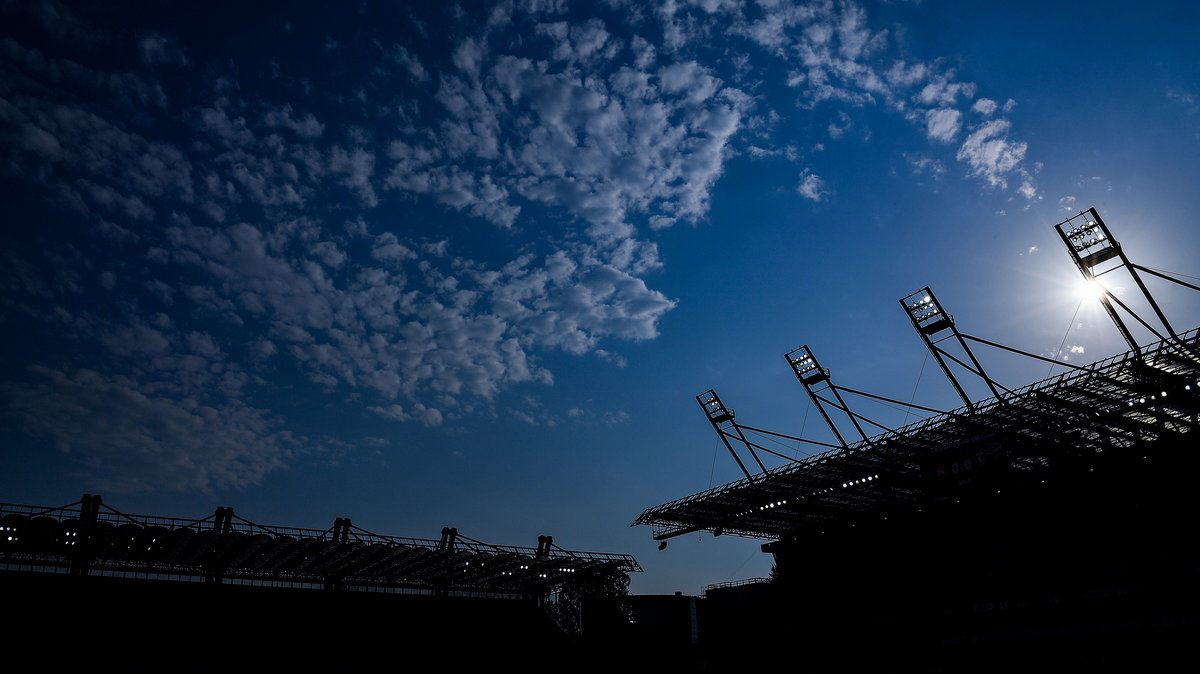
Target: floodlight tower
[1091, 246]
[721, 418]
[812, 375]
[934, 325]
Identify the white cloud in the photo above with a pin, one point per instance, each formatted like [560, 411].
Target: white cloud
[355, 166]
[544, 6]
[468, 56]
[233, 132]
[989, 154]
[49, 136]
[388, 247]
[944, 91]
[306, 127]
[407, 60]
[577, 43]
[922, 164]
[831, 55]
[942, 124]
[137, 439]
[602, 147]
[985, 107]
[1070, 351]
[420, 413]
[811, 186]
[904, 75]
[463, 335]
[618, 417]
[841, 126]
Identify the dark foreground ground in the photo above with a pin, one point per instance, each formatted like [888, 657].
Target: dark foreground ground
[112, 625]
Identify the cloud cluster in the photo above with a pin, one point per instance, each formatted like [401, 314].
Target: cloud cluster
[247, 269]
[833, 57]
[244, 226]
[811, 186]
[989, 154]
[580, 131]
[135, 438]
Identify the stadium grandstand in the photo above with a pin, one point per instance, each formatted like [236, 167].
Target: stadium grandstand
[1048, 521]
[89, 537]
[139, 592]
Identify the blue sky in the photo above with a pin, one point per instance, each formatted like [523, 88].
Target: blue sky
[426, 265]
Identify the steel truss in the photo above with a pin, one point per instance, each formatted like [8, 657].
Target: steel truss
[1123, 406]
[1137, 403]
[89, 537]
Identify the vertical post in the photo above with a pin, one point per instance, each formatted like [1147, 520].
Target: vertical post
[223, 520]
[341, 529]
[222, 524]
[341, 534]
[543, 548]
[81, 557]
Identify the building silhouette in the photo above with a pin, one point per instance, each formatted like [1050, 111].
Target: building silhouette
[1048, 523]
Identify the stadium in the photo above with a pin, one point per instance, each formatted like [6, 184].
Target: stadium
[1052, 517]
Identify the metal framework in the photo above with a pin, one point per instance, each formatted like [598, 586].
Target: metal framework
[89, 537]
[1126, 404]
[1130, 406]
[721, 418]
[932, 323]
[1095, 252]
[815, 380]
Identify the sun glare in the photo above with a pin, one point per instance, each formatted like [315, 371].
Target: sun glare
[1090, 290]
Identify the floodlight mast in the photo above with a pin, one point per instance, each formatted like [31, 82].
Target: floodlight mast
[721, 418]
[810, 374]
[1090, 244]
[929, 319]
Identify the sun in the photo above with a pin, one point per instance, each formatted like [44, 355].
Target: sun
[1089, 290]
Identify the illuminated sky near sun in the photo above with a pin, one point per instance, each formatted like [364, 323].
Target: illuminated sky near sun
[428, 264]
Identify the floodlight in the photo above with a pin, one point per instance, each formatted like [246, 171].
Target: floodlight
[806, 367]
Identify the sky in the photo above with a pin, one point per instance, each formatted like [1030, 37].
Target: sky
[436, 264]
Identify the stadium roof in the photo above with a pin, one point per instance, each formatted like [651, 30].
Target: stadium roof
[1129, 403]
[91, 537]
